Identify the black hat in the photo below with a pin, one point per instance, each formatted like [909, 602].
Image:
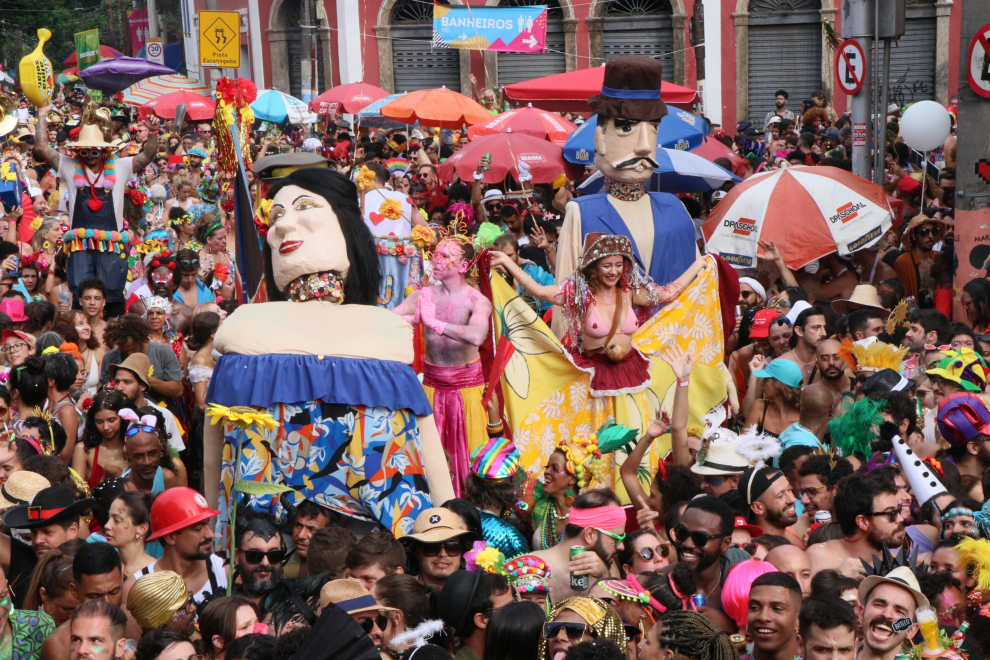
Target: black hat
[631, 89]
[755, 481]
[49, 506]
[454, 603]
[272, 169]
[885, 380]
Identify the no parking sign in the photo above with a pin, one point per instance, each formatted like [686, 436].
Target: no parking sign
[850, 66]
[979, 62]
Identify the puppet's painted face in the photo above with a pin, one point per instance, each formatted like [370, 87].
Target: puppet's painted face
[305, 236]
[626, 149]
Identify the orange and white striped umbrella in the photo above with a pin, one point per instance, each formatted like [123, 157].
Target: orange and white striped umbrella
[807, 212]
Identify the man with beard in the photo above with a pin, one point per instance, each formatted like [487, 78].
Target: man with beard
[597, 523]
[885, 600]
[780, 109]
[437, 545]
[962, 419]
[702, 538]
[130, 380]
[771, 501]
[378, 621]
[772, 620]
[809, 332]
[869, 514]
[129, 334]
[98, 632]
[827, 629]
[835, 379]
[180, 518]
[962, 370]
[914, 266]
[818, 480]
[259, 557]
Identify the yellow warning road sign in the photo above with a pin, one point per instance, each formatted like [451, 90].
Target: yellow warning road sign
[220, 39]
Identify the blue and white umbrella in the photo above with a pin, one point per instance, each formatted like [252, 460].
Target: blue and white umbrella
[679, 172]
[371, 115]
[275, 106]
[678, 130]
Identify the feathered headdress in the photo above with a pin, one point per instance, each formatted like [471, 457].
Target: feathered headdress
[418, 637]
[875, 355]
[757, 448]
[855, 430]
[975, 553]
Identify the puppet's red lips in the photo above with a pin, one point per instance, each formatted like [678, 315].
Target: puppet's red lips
[289, 246]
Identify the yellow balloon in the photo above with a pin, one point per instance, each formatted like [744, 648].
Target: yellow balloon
[37, 80]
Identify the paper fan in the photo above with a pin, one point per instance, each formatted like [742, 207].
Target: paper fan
[397, 166]
[336, 635]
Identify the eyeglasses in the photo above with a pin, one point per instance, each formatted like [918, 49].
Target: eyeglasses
[810, 492]
[748, 548]
[890, 515]
[368, 624]
[138, 429]
[574, 631]
[453, 549]
[255, 556]
[13, 348]
[618, 538]
[89, 153]
[648, 553]
[927, 231]
[699, 539]
[188, 263]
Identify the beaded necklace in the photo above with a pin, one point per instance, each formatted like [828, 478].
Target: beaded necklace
[108, 169]
[627, 192]
[550, 528]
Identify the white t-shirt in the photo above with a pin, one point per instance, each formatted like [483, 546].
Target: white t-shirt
[219, 574]
[378, 223]
[174, 437]
[124, 173]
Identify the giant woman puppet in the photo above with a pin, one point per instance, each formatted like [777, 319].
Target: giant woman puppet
[657, 224]
[356, 432]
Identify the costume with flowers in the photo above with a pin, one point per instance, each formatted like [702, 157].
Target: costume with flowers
[97, 237]
[388, 214]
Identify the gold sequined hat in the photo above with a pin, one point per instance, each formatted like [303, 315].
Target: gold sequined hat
[598, 246]
[601, 619]
[156, 597]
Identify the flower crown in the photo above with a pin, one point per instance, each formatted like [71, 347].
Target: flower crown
[149, 247]
[262, 216]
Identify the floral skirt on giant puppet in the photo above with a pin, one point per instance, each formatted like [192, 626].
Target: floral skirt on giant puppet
[548, 394]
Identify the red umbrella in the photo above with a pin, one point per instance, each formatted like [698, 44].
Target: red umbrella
[350, 98]
[569, 92]
[711, 149]
[544, 158]
[529, 121]
[106, 52]
[199, 108]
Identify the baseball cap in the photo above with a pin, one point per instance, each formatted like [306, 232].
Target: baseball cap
[756, 481]
[760, 328]
[784, 371]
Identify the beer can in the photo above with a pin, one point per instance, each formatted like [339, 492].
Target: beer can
[578, 582]
[699, 600]
[823, 516]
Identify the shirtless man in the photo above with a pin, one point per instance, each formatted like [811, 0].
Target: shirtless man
[455, 318]
[809, 332]
[870, 516]
[834, 378]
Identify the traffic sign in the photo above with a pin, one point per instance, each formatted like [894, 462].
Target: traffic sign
[979, 62]
[220, 39]
[153, 50]
[850, 66]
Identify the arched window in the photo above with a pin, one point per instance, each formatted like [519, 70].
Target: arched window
[414, 63]
[517, 67]
[912, 56]
[785, 52]
[639, 27]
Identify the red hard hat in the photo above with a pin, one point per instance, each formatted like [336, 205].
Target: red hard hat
[178, 508]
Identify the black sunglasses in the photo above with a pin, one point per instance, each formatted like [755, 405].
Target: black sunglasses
[368, 624]
[453, 548]
[575, 631]
[699, 539]
[275, 557]
[927, 231]
[889, 515]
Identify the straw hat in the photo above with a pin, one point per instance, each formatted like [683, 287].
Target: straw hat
[349, 595]
[902, 577]
[907, 238]
[155, 597]
[721, 458]
[90, 136]
[864, 296]
[20, 487]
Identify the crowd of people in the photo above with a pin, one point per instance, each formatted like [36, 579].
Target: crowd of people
[831, 506]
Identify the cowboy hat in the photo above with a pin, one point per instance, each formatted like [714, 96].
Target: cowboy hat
[90, 137]
[721, 459]
[907, 238]
[49, 506]
[864, 296]
[902, 577]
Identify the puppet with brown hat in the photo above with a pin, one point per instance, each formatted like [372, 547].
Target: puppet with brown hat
[95, 179]
[661, 231]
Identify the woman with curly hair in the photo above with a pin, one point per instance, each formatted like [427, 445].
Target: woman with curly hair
[100, 455]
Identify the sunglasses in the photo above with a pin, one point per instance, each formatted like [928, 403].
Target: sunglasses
[493, 207]
[631, 632]
[275, 557]
[699, 539]
[138, 429]
[889, 515]
[189, 263]
[574, 631]
[89, 153]
[926, 231]
[748, 548]
[453, 549]
[368, 624]
[648, 553]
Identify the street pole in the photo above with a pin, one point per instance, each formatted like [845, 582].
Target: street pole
[857, 23]
[153, 19]
[972, 242]
[306, 52]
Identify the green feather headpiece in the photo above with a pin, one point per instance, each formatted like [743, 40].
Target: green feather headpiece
[856, 429]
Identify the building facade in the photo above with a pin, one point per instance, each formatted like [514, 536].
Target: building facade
[751, 47]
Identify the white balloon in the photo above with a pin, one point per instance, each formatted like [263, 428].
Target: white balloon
[925, 125]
